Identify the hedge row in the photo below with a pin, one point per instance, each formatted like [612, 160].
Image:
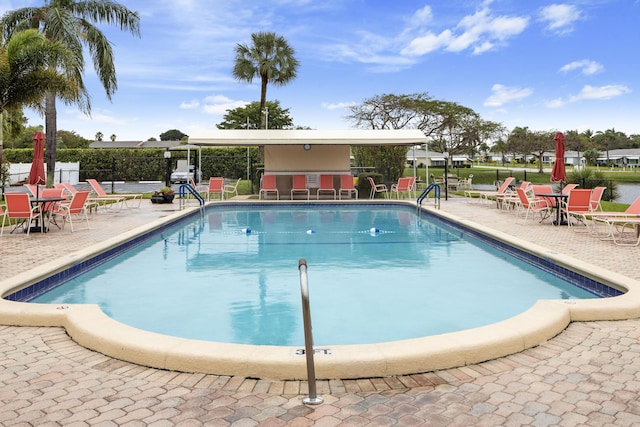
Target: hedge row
[145, 164]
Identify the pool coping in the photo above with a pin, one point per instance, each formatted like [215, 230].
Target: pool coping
[90, 327]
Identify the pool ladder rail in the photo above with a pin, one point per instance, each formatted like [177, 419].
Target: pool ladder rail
[436, 194]
[313, 398]
[182, 192]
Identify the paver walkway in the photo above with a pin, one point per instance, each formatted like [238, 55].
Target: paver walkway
[588, 375]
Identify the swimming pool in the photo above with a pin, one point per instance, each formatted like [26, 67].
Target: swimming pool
[377, 274]
[89, 326]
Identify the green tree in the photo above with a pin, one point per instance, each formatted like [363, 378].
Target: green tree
[71, 23]
[270, 58]
[70, 139]
[99, 136]
[450, 126]
[24, 77]
[173, 135]
[248, 117]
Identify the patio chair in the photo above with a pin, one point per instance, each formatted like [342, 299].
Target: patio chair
[299, 185]
[347, 187]
[231, 188]
[377, 188]
[531, 204]
[578, 202]
[568, 187]
[412, 186]
[77, 207]
[216, 186]
[19, 208]
[111, 200]
[401, 187]
[268, 185]
[326, 186]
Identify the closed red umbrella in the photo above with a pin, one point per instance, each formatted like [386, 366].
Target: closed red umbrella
[36, 174]
[559, 174]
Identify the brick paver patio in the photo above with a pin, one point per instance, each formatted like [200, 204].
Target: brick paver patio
[588, 375]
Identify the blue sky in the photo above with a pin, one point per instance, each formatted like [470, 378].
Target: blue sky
[545, 65]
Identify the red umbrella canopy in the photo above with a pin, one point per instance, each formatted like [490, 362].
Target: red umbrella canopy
[559, 173]
[36, 175]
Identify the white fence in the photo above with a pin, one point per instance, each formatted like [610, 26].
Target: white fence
[65, 172]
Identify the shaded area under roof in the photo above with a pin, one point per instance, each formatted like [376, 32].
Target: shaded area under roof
[235, 137]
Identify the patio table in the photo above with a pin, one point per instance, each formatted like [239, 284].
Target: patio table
[558, 199]
[45, 204]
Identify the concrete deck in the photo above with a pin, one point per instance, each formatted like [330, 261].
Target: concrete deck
[587, 375]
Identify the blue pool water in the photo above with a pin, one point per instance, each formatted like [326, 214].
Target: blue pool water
[376, 273]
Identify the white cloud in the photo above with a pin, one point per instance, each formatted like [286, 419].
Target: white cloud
[504, 94]
[560, 18]
[104, 117]
[219, 104]
[587, 67]
[479, 32]
[589, 92]
[190, 105]
[337, 105]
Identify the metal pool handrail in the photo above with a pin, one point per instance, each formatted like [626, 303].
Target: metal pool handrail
[189, 187]
[312, 399]
[436, 194]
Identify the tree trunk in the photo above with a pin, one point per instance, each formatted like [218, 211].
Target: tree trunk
[51, 130]
[3, 178]
[263, 102]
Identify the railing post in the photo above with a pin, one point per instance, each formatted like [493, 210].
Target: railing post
[312, 399]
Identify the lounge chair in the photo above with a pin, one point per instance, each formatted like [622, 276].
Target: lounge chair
[19, 208]
[510, 200]
[401, 187]
[76, 207]
[346, 187]
[617, 226]
[268, 185]
[216, 186]
[326, 186]
[231, 188]
[299, 185]
[102, 197]
[596, 197]
[485, 195]
[377, 188]
[531, 204]
[91, 203]
[589, 218]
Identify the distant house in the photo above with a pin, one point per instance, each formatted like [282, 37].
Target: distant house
[421, 158]
[622, 158]
[134, 144]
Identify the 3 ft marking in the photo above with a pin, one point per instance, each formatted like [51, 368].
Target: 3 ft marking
[302, 352]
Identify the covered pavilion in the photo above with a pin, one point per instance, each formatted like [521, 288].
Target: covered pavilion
[308, 152]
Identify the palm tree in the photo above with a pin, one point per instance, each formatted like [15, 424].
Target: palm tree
[24, 72]
[269, 57]
[71, 23]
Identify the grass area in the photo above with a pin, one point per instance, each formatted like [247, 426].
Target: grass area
[489, 174]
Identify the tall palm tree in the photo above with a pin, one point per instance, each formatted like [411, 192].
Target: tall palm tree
[25, 75]
[72, 22]
[269, 57]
